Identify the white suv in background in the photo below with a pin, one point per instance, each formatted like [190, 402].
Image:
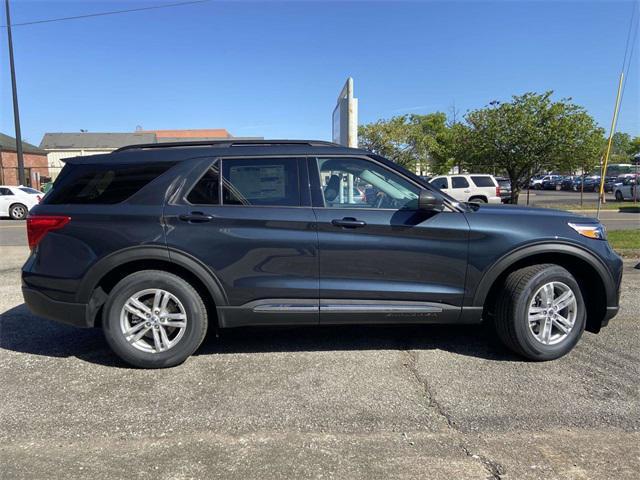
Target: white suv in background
[15, 202]
[476, 188]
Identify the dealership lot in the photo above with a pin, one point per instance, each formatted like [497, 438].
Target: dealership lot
[350, 402]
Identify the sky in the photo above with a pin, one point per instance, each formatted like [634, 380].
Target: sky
[274, 69]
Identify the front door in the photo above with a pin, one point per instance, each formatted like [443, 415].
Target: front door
[381, 259]
[250, 222]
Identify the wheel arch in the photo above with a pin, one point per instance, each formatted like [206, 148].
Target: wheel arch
[106, 273]
[590, 273]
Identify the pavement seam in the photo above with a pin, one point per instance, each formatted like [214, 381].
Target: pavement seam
[429, 394]
[494, 469]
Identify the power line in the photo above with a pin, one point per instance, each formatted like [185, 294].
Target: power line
[102, 14]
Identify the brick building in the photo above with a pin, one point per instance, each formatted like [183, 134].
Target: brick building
[36, 166]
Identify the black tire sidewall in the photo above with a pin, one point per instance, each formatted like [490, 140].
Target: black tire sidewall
[532, 347]
[195, 311]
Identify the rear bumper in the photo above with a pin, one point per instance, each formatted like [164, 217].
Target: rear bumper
[494, 200]
[74, 314]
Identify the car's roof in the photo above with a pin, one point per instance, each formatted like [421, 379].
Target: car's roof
[172, 152]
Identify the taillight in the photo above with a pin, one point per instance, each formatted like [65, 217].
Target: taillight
[39, 225]
[497, 191]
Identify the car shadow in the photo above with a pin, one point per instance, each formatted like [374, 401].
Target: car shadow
[21, 331]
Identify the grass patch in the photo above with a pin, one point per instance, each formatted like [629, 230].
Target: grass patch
[624, 239]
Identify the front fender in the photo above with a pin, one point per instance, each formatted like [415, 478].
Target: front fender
[558, 247]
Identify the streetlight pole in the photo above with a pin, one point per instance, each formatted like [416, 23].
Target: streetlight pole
[16, 113]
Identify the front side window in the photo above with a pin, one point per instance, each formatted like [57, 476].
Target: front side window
[459, 182]
[359, 183]
[261, 181]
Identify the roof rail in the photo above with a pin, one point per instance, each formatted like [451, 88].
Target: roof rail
[229, 143]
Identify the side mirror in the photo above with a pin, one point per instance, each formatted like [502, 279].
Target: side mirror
[428, 201]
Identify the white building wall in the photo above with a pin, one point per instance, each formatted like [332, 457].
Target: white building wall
[54, 158]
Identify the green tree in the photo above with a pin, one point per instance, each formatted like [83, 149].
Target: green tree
[530, 134]
[390, 139]
[409, 140]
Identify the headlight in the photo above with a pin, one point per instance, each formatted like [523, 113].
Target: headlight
[590, 230]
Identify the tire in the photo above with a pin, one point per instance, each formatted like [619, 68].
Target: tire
[18, 211]
[512, 312]
[184, 301]
[619, 196]
[478, 200]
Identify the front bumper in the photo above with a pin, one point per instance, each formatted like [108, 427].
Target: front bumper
[74, 314]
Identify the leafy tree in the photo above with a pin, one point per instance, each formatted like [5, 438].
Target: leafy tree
[409, 140]
[530, 134]
[389, 138]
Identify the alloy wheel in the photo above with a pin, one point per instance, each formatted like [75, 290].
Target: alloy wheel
[153, 320]
[552, 313]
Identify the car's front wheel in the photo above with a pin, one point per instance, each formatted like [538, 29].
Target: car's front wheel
[154, 319]
[619, 196]
[540, 312]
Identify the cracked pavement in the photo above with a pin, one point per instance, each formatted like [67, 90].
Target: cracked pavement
[342, 402]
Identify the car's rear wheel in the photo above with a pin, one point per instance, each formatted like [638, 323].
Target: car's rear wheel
[154, 319]
[540, 312]
[619, 196]
[18, 211]
[478, 200]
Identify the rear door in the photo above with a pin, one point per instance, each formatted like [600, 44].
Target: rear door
[249, 220]
[382, 260]
[460, 188]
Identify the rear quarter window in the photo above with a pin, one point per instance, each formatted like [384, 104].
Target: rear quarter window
[103, 183]
[483, 181]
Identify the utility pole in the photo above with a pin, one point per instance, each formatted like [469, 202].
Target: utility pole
[16, 114]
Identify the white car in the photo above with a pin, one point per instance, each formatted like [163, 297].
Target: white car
[537, 182]
[15, 202]
[626, 190]
[477, 188]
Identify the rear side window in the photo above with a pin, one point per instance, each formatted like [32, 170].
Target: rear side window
[459, 182]
[482, 181]
[102, 183]
[5, 191]
[207, 190]
[440, 183]
[265, 182]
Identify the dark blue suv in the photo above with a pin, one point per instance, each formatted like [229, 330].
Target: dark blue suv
[157, 243]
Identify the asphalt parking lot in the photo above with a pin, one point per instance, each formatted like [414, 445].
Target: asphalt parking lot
[350, 402]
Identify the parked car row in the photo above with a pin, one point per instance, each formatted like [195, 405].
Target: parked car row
[574, 183]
